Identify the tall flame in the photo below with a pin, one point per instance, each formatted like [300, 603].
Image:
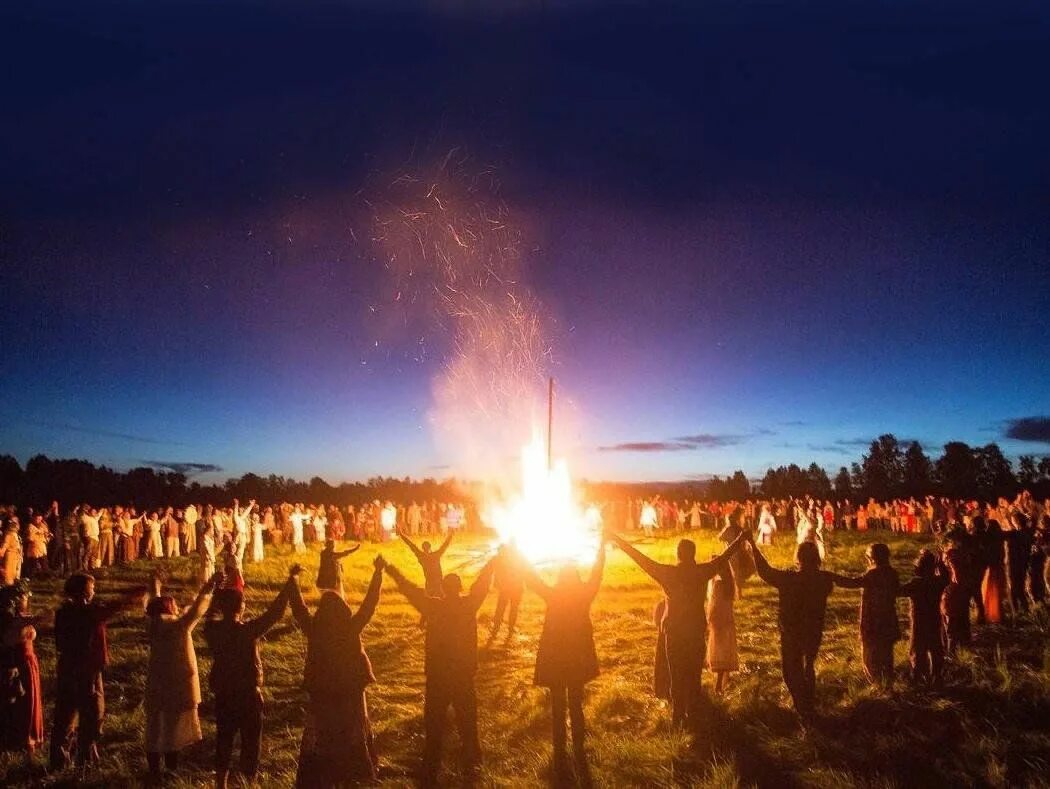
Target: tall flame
[544, 519]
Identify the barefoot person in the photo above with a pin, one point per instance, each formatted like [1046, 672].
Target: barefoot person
[451, 661]
[237, 675]
[685, 623]
[566, 659]
[338, 747]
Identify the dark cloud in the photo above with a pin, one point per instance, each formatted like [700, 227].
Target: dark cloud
[65, 426]
[179, 467]
[837, 449]
[681, 443]
[793, 423]
[712, 440]
[647, 446]
[1029, 428]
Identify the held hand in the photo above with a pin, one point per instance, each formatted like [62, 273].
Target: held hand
[379, 562]
[295, 570]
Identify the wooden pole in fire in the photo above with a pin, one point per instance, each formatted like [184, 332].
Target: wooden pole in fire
[550, 423]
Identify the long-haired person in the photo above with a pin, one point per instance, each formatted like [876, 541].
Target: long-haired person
[22, 707]
[173, 689]
[338, 747]
[566, 659]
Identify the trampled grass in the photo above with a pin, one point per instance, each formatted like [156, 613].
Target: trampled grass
[989, 727]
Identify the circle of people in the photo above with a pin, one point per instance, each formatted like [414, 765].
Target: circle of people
[991, 557]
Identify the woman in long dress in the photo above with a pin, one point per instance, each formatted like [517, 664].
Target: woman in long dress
[154, 543]
[566, 659]
[173, 688]
[338, 746]
[11, 553]
[23, 708]
[993, 588]
[721, 627]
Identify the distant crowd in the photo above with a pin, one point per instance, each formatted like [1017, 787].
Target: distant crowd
[990, 566]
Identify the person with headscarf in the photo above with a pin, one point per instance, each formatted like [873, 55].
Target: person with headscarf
[81, 643]
[450, 663]
[22, 714]
[338, 746]
[236, 678]
[685, 623]
[173, 689]
[566, 659]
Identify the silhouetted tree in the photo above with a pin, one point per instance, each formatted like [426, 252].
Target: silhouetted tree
[957, 470]
[918, 471]
[883, 467]
[995, 476]
[843, 484]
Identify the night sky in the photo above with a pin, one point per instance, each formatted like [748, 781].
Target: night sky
[759, 233]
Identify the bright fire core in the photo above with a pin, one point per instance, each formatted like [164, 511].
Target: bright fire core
[544, 519]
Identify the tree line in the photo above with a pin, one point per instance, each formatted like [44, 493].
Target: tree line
[887, 471]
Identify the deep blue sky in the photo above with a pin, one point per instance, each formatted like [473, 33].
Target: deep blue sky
[775, 231]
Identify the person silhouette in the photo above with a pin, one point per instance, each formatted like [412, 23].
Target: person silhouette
[566, 659]
[450, 663]
[685, 622]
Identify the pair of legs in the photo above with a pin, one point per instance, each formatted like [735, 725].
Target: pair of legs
[235, 716]
[685, 663]
[877, 657]
[567, 698]
[153, 760]
[927, 662]
[442, 693]
[508, 603]
[80, 707]
[798, 662]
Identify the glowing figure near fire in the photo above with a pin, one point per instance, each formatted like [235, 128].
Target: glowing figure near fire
[544, 519]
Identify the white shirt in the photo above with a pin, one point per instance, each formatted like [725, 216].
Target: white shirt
[90, 524]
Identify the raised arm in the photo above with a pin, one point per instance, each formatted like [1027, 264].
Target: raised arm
[200, 603]
[482, 584]
[347, 552]
[848, 581]
[732, 548]
[274, 612]
[530, 576]
[594, 582]
[658, 572]
[444, 546]
[367, 609]
[411, 546]
[295, 598]
[770, 575]
[416, 596]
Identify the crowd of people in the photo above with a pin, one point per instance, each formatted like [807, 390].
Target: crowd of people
[994, 566]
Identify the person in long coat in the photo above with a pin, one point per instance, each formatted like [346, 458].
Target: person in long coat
[338, 746]
[566, 659]
[22, 716]
[173, 688]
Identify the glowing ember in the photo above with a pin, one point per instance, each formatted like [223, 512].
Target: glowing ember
[544, 519]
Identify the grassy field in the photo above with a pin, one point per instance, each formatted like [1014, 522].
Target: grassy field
[989, 727]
